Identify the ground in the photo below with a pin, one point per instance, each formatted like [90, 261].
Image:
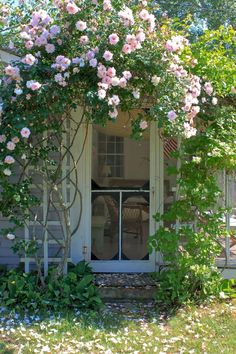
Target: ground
[123, 328]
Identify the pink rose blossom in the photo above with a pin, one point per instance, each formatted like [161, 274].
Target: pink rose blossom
[55, 30]
[81, 25]
[84, 39]
[144, 15]
[9, 160]
[143, 125]
[114, 113]
[12, 71]
[93, 62]
[123, 82]
[72, 8]
[126, 49]
[25, 132]
[171, 115]
[101, 94]
[208, 88]
[111, 72]
[107, 80]
[2, 138]
[114, 100]
[107, 55]
[50, 48]
[29, 59]
[11, 146]
[115, 81]
[140, 36]
[127, 75]
[15, 139]
[90, 54]
[107, 5]
[33, 85]
[29, 44]
[113, 38]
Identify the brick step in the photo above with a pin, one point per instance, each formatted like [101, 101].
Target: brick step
[125, 286]
[123, 294]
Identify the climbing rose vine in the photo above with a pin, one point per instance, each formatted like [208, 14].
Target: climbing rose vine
[105, 56]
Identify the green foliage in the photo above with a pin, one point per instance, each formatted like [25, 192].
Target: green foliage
[216, 12]
[76, 290]
[228, 286]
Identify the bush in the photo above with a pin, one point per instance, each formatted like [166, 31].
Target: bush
[22, 291]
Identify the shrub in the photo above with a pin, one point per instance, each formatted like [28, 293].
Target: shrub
[22, 291]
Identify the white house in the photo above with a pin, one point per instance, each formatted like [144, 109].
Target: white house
[122, 184]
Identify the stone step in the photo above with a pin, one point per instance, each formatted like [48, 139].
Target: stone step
[125, 286]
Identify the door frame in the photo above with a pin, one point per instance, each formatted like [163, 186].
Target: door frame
[156, 205]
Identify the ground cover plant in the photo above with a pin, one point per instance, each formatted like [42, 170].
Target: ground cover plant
[21, 291]
[123, 328]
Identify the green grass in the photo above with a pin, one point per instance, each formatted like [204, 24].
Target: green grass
[129, 329]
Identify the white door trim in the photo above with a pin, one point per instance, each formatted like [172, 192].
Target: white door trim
[156, 204]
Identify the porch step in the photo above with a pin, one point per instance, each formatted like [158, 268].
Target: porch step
[125, 286]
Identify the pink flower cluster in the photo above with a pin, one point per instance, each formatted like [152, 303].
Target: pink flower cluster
[72, 8]
[191, 98]
[176, 43]
[126, 17]
[62, 63]
[133, 42]
[33, 85]
[38, 32]
[13, 72]
[29, 59]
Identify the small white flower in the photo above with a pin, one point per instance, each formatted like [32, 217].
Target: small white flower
[11, 236]
[7, 172]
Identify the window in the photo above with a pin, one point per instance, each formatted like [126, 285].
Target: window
[111, 156]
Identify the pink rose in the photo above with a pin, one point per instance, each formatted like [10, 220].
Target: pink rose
[114, 100]
[101, 94]
[115, 81]
[81, 25]
[107, 55]
[29, 44]
[2, 138]
[9, 160]
[72, 8]
[111, 72]
[11, 146]
[50, 48]
[29, 59]
[171, 116]
[93, 62]
[113, 114]
[25, 132]
[33, 85]
[113, 38]
[15, 139]
[123, 82]
[144, 15]
[84, 39]
[127, 75]
[143, 125]
[126, 49]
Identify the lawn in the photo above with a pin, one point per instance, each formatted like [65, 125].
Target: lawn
[123, 328]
